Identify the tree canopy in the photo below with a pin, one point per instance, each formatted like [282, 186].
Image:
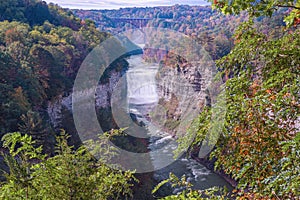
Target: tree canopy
[260, 8]
[70, 174]
[259, 142]
[41, 49]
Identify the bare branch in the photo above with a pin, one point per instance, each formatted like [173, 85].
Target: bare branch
[285, 6]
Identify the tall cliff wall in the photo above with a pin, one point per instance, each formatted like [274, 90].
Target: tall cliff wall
[183, 87]
[57, 109]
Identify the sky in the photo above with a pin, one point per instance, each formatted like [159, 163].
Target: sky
[109, 4]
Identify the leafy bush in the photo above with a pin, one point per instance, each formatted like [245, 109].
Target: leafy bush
[70, 174]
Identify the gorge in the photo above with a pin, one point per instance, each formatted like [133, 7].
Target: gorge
[104, 104]
[149, 101]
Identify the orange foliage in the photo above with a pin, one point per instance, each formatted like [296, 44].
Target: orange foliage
[269, 91]
[254, 87]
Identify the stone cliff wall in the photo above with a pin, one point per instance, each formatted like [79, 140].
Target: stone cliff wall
[102, 98]
[183, 88]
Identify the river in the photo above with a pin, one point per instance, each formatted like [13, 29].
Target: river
[142, 98]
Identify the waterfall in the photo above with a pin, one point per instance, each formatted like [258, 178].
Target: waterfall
[142, 98]
[141, 86]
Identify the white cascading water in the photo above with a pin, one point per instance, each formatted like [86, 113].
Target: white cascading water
[142, 97]
[141, 83]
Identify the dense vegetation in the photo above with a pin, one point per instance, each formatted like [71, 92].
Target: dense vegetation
[259, 142]
[212, 29]
[190, 20]
[41, 49]
[259, 145]
[70, 174]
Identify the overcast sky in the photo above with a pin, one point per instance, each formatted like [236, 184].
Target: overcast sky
[107, 4]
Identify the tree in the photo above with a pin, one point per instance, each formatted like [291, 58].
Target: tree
[33, 125]
[70, 174]
[13, 99]
[260, 135]
[260, 8]
[188, 193]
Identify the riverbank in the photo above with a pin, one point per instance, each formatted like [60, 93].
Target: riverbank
[209, 164]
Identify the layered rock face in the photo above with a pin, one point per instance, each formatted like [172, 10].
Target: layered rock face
[102, 98]
[183, 88]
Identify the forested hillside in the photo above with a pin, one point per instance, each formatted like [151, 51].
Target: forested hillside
[183, 18]
[255, 46]
[41, 49]
[210, 28]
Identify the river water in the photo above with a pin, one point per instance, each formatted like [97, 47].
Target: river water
[142, 98]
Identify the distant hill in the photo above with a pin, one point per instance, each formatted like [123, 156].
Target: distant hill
[210, 28]
[36, 12]
[183, 18]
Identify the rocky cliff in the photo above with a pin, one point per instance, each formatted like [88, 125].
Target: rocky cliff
[60, 110]
[183, 87]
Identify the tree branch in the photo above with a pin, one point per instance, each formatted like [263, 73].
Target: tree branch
[285, 6]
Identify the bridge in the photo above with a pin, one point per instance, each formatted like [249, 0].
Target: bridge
[137, 22]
